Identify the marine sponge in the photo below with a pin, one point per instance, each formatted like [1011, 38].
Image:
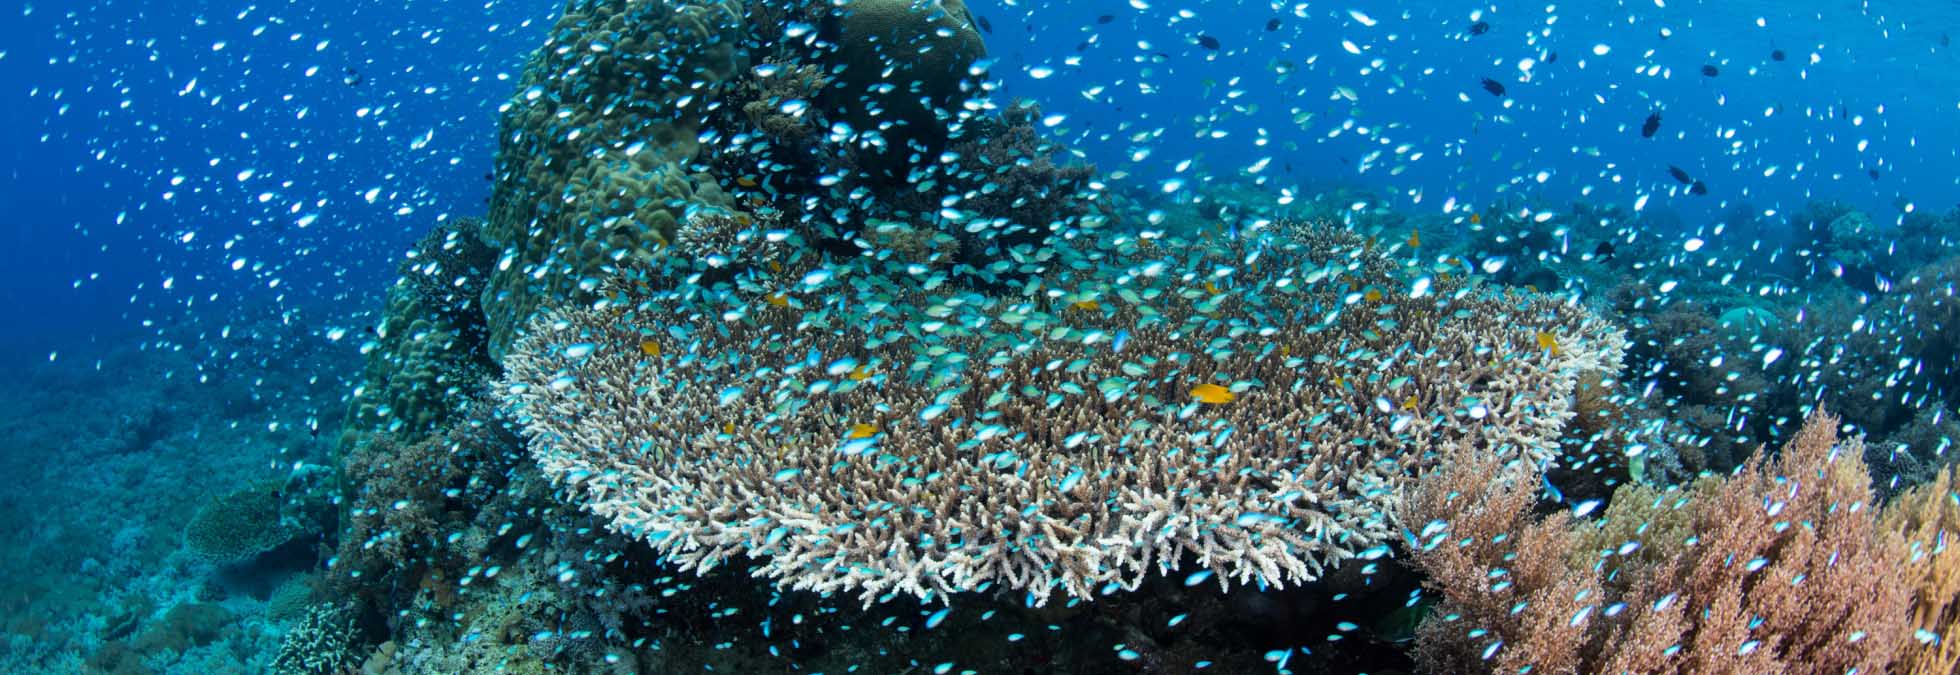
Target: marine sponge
[236, 527]
[1249, 409]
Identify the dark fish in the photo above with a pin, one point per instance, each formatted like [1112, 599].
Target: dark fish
[1946, 40]
[1551, 57]
[1106, 18]
[1479, 28]
[1494, 87]
[1679, 175]
[1699, 188]
[1710, 70]
[984, 24]
[1652, 125]
[1272, 25]
[352, 77]
[1776, 55]
[1084, 45]
[1873, 173]
[1208, 42]
[1603, 251]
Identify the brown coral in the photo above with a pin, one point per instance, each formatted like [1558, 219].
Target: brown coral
[1928, 517]
[1780, 568]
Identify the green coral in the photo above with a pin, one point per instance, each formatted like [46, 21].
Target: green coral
[238, 526]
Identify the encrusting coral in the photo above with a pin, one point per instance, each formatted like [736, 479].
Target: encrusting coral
[1250, 409]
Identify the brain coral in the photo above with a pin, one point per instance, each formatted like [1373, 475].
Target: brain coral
[1108, 407]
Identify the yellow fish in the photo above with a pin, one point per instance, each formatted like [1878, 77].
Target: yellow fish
[746, 182]
[1285, 350]
[861, 430]
[1415, 239]
[859, 374]
[1212, 394]
[1476, 219]
[1087, 305]
[649, 348]
[728, 428]
[1209, 286]
[1409, 403]
[777, 299]
[775, 266]
[1548, 341]
[1372, 295]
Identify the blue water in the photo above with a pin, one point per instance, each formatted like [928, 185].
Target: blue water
[206, 203]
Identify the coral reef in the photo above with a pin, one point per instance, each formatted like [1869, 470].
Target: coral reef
[430, 348]
[238, 526]
[994, 440]
[901, 69]
[319, 643]
[1782, 567]
[596, 144]
[1928, 516]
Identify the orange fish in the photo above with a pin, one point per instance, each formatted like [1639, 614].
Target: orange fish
[1548, 342]
[1212, 394]
[746, 182]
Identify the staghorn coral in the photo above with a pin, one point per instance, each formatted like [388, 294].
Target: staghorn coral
[1250, 409]
[1782, 567]
[1928, 516]
[320, 643]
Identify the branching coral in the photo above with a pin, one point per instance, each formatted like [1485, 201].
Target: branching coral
[1249, 409]
[320, 643]
[1782, 567]
[1929, 518]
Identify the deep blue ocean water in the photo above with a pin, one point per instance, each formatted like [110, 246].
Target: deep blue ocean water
[206, 202]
